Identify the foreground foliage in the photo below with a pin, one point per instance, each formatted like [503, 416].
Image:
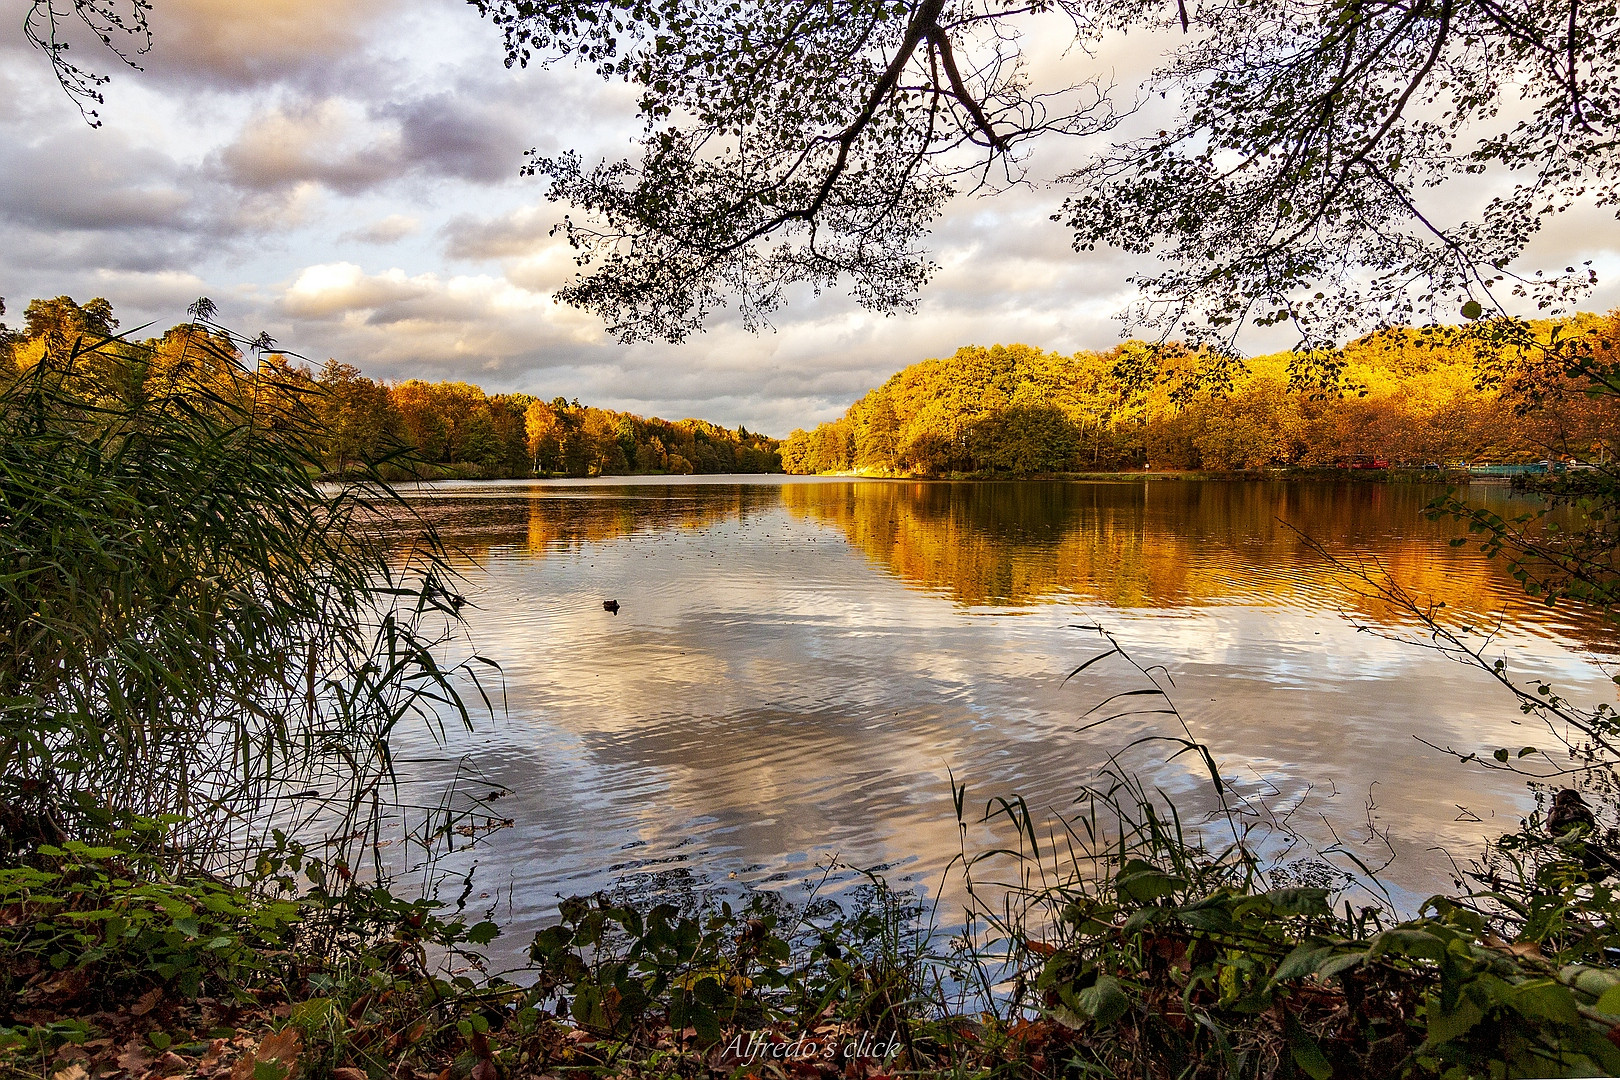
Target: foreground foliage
[189, 622]
[1178, 962]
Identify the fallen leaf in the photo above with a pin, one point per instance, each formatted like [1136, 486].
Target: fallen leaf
[147, 1003]
[58, 986]
[279, 1051]
[74, 1071]
[484, 1070]
[134, 1059]
[171, 1064]
[348, 1072]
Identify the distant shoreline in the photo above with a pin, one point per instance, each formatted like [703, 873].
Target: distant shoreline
[1377, 476]
[1325, 474]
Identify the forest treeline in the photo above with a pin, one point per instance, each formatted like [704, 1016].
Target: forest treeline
[1411, 397]
[434, 430]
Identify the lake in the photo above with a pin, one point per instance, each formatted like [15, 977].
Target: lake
[800, 666]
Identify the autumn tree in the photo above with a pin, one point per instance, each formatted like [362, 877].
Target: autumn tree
[357, 415]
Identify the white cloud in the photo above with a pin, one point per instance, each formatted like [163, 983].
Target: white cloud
[240, 44]
[431, 324]
[341, 290]
[321, 142]
[170, 289]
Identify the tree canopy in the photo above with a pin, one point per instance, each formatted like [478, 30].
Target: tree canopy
[1290, 177]
[1290, 161]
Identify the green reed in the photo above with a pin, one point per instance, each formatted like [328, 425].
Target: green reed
[190, 623]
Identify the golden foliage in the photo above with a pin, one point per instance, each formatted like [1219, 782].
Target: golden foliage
[1411, 397]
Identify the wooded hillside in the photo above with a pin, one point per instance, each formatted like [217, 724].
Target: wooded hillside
[1412, 397]
[444, 429]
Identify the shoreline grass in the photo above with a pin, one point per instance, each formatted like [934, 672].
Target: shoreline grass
[1169, 955]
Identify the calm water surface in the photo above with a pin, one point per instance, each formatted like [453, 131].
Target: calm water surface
[799, 667]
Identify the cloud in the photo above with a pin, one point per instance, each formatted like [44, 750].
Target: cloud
[243, 44]
[388, 230]
[337, 290]
[428, 321]
[320, 142]
[519, 232]
[469, 132]
[349, 146]
[79, 180]
[162, 290]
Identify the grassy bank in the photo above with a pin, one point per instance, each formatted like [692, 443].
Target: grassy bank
[1165, 957]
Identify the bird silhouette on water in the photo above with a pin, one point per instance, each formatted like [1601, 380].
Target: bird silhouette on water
[611, 605]
[1570, 818]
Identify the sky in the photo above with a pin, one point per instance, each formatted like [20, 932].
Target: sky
[344, 174]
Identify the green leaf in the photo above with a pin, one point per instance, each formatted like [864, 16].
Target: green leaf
[1407, 941]
[1595, 982]
[1306, 959]
[311, 1011]
[1105, 1000]
[1307, 1055]
[1143, 882]
[1501, 755]
[270, 1070]
[1472, 310]
[1444, 1027]
[706, 1023]
[483, 933]
[1214, 920]
[1299, 901]
[1609, 1002]
[1544, 999]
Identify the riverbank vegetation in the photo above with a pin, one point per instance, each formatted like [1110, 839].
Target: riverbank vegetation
[444, 430]
[1435, 396]
[1135, 946]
